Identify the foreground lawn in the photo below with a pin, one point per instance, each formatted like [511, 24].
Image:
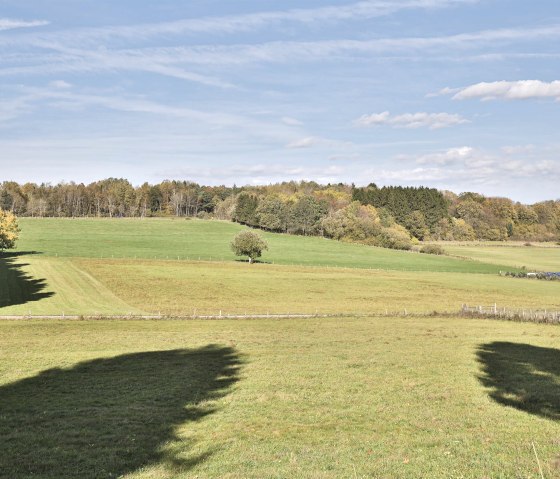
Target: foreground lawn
[153, 238]
[39, 285]
[356, 398]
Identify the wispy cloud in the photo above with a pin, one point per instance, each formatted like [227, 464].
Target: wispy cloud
[55, 56]
[288, 120]
[12, 24]
[306, 142]
[434, 121]
[508, 90]
[250, 21]
[291, 51]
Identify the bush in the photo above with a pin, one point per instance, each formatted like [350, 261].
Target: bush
[395, 237]
[432, 249]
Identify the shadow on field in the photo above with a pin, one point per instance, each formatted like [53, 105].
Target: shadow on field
[522, 376]
[109, 417]
[255, 261]
[17, 286]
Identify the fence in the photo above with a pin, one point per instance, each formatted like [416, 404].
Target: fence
[174, 316]
[529, 315]
[224, 315]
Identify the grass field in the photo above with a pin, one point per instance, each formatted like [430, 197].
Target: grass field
[535, 257]
[183, 288]
[356, 397]
[209, 240]
[328, 398]
[73, 272]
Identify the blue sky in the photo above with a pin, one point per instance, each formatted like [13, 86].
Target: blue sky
[456, 94]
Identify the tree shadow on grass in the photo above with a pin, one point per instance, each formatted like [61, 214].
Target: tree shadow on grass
[522, 376]
[109, 417]
[255, 261]
[17, 287]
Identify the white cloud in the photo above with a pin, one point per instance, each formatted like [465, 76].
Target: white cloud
[467, 166]
[255, 174]
[60, 84]
[291, 121]
[452, 155]
[518, 149]
[306, 142]
[510, 90]
[433, 121]
[11, 24]
[408, 175]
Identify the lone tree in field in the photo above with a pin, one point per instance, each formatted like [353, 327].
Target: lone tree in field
[9, 230]
[248, 243]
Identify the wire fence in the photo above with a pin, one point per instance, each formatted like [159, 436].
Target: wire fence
[513, 314]
[223, 315]
[491, 312]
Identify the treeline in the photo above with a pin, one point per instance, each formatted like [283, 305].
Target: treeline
[112, 198]
[389, 216]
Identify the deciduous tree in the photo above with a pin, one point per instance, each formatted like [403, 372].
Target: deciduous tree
[249, 243]
[9, 230]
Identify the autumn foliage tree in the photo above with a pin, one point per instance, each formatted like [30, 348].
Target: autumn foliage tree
[9, 230]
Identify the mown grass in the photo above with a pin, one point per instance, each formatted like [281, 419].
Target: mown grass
[178, 238]
[34, 284]
[534, 258]
[319, 398]
[184, 288]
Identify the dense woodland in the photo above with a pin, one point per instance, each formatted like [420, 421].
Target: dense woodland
[395, 217]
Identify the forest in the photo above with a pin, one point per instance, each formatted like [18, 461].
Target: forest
[389, 216]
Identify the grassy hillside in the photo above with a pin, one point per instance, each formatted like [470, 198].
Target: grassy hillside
[73, 272]
[392, 398]
[179, 238]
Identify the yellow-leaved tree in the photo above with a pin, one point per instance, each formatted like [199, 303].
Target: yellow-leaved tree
[9, 230]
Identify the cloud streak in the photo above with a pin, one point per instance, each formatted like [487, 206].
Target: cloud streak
[12, 24]
[509, 90]
[250, 21]
[434, 121]
[52, 55]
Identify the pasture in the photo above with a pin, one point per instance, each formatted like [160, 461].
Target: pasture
[153, 238]
[101, 266]
[534, 258]
[316, 398]
[365, 395]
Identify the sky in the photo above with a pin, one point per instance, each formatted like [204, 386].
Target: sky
[462, 95]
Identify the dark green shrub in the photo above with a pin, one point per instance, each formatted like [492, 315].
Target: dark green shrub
[432, 249]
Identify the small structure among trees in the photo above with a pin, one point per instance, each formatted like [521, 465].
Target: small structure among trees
[249, 243]
[9, 230]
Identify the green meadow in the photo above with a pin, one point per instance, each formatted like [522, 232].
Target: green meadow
[182, 268]
[209, 240]
[535, 257]
[369, 394]
[315, 398]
